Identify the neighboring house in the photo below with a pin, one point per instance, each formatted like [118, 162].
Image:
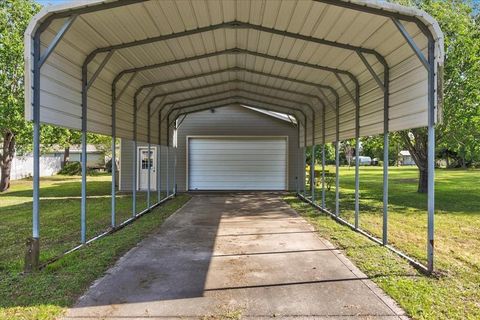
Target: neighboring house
[227, 148]
[405, 158]
[95, 157]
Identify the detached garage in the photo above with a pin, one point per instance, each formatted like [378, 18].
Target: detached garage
[228, 148]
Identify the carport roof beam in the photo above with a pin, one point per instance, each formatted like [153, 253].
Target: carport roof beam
[211, 86]
[239, 69]
[238, 90]
[237, 51]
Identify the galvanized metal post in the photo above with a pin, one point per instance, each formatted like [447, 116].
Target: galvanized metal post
[135, 160]
[33, 256]
[83, 214]
[431, 154]
[159, 176]
[114, 148]
[304, 164]
[323, 157]
[312, 173]
[175, 160]
[357, 156]
[297, 182]
[168, 171]
[160, 152]
[337, 164]
[174, 171]
[385, 155]
[149, 157]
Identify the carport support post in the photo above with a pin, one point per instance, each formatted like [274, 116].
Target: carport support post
[159, 193]
[357, 154]
[83, 214]
[312, 172]
[297, 186]
[149, 157]
[168, 169]
[385, 156]
[174, 170]
[304, 163]
[174, 186]
[431, 153]
[337, 164]
[323, 157]
[135, 159]
[114, 133]
[160, 154]
[32, 257]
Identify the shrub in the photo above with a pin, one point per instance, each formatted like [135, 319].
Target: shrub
[71, 169]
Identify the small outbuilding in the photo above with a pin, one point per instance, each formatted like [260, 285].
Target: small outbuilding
[405, 158]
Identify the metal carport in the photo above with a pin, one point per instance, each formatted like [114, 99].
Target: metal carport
[129, 68]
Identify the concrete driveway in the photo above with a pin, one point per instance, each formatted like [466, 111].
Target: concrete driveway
[245, 255]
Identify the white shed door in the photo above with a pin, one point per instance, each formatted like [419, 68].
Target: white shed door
[237, 163]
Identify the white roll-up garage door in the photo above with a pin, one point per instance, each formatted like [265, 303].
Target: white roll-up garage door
[228, 163]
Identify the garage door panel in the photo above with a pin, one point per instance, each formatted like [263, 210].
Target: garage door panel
[236, 157]
[233, 145]
[230, 163]
[232, 179]
[234, 186]
[240, 170]
[237, 163]
[241, 152]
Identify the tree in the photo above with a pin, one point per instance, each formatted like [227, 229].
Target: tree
[348, 148]
[15, 132]
[373, 147]
[329, 154]
[460, 130]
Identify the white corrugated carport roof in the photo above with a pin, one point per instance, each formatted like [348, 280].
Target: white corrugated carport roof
[293, 57]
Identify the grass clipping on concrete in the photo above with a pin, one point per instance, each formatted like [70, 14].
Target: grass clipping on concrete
[46, 294]
[422, 297]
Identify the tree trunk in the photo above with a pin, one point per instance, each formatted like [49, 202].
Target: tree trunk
[422, 181]
[6, 159]
[66, 156]
[447, 161]
[417, 146]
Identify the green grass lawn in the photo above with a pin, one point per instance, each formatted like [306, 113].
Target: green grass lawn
[455, 292]
[45, 294]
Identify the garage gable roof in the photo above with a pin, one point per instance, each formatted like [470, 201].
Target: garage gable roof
[145, 61]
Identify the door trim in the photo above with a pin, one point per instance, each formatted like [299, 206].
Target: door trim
[154, 152]
[226, 137]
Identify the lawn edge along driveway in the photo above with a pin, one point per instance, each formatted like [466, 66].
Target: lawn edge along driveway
[46, 294]
[412, 290]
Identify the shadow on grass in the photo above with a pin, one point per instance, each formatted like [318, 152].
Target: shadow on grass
[44, 294]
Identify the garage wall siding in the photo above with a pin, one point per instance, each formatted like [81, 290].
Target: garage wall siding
[234, 121]
[226, 121]
[125, 165]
